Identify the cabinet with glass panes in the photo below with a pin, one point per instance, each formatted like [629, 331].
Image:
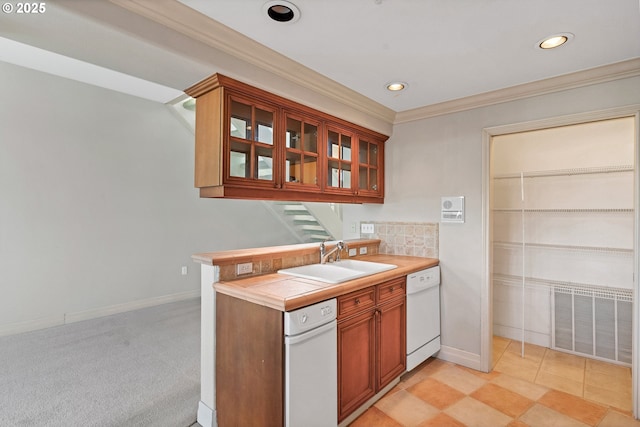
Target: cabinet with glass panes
[251, 144]
[301, 144]
[370, 166]
[354, 163]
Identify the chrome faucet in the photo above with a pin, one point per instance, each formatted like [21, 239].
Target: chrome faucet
[324, 255]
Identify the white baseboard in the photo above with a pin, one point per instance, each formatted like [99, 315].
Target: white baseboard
[129, 306]
[61, 319]
[459, 357]
[531, 337]
[206, 416]
[31, 325]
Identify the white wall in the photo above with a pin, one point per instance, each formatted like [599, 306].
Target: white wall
[442, 156]
[97, 205]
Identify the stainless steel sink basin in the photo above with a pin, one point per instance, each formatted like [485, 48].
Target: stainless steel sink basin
[339, 271]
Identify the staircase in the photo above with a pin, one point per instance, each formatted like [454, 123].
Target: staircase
[300, 219]
[309, 222]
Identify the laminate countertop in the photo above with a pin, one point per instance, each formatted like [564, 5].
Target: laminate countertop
[285, 293]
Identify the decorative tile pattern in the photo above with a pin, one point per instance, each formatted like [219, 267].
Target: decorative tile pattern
[514, 365]
[375, 417]
[442, 394]
[406, 408]
[505, 401]
[541, 416]
[407, 238]
[472, 412]
[616, 419]
[522, 387]
[459, 379]
[558, 382]
[435, 393]
[440, 420]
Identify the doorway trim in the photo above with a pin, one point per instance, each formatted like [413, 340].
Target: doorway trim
[486, 299]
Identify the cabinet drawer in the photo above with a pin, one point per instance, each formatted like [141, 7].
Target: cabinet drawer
[356, 301]
[392, 289]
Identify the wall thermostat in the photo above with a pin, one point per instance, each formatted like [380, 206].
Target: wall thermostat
[452, 209]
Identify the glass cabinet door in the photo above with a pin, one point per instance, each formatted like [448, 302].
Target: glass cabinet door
[338, 159]
[301, 145]
[251, 141]
[368, 159]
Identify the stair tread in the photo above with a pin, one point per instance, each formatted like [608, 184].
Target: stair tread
[304, 218]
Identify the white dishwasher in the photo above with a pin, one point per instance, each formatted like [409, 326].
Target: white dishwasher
[423, 315]
[311, 366]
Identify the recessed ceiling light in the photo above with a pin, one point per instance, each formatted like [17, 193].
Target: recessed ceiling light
[396, 86]
[281, 11]
[554, 41]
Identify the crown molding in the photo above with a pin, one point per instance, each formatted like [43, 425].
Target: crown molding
[616, 71]
[181, 18]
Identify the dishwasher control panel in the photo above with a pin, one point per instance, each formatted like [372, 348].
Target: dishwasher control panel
[423, 279]
[310, 317]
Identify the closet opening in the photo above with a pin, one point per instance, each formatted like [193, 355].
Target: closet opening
[562, 254]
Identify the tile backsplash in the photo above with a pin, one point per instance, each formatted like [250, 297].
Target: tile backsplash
[407, 238]
[270, 260]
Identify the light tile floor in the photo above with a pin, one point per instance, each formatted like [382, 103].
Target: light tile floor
[545, 388]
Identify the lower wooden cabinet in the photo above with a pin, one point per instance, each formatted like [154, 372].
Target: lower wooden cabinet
[250, 353]
[391, 338]
[249, 364]
[371, 342]
[356, 361]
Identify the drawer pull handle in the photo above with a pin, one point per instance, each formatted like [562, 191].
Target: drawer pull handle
[392, 288]
[357, 301]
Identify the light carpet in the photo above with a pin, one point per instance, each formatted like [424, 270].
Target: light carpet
[140, 368]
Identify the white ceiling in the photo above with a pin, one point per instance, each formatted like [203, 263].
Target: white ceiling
[443, 49]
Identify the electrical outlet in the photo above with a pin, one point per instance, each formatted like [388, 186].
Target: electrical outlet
[184, 270]
[352, 252]
[244, 268]
[354, 227]
[367, 228]
[363, 250]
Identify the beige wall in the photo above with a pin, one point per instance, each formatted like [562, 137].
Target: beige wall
[98, 210]
[442, 156]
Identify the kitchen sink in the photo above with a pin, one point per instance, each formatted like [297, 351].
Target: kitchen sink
[365, 266]
[339, 271]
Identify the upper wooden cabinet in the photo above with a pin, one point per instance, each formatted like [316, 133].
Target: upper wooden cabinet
[251, 144]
